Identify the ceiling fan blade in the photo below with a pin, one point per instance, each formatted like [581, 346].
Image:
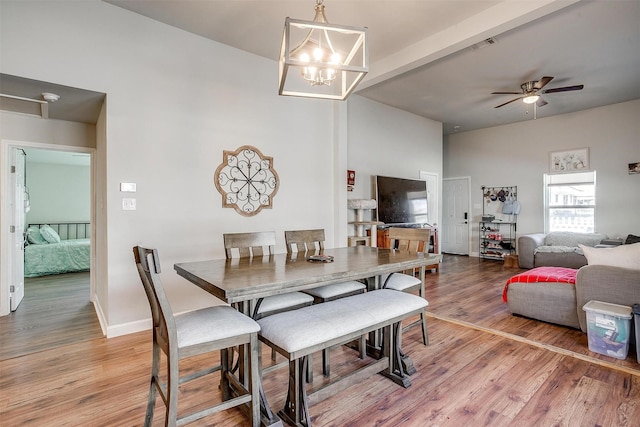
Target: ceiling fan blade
[541, 102]
[506, 93]
[564, 89]
[508, 102]
[542, 82]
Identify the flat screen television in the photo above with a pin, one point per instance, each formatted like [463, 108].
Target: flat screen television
[401, 201]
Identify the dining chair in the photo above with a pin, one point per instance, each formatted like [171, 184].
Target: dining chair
[303, 241]
[218, 328]
[313, 241]
[412, 240]
[260, 244]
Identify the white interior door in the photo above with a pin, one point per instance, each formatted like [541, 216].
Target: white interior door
[18, 204]
[455, 216]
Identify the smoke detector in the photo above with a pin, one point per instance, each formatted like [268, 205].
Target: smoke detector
[50, 97]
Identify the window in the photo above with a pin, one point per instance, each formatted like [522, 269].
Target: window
[570, 202]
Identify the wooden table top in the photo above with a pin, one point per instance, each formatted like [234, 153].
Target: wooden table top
[244, 279]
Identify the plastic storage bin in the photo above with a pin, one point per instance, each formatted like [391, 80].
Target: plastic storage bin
[608, 328]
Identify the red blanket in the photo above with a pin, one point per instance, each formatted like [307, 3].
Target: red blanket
[542, 274]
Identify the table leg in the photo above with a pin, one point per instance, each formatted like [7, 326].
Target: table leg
[391, 349]
[296, 407]
[267, 417]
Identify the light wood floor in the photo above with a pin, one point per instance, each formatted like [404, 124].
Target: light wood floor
[55, 311]
[482, 367]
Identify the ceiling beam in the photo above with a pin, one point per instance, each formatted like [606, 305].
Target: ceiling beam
[498, 19]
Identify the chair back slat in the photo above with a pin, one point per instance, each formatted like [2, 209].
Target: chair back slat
[304, 240]
[148, 264]
[249, 244]
[409, 239]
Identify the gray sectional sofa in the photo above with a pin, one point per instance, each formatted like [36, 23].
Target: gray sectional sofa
[557, 249]
[562, 303]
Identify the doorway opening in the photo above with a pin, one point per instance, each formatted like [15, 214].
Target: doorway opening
[57, 308]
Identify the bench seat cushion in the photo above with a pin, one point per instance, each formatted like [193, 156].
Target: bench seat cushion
[399, 281]
[328, 292]
[288, 301]
[316, 325]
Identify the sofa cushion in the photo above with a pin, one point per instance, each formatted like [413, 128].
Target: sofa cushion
[567, 238]
[542, 275]
[557, 249]
[549, 302]
[625, 256]
[560, 259]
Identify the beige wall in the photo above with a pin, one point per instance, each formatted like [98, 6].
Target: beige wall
[395, 144]
[518, 154]
[175, 101]
[21, 127]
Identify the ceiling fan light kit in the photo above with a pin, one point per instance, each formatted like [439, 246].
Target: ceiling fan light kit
[530, 92]
[328, 62]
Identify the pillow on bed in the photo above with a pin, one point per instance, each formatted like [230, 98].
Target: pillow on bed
[625, 256]
[35, 237]
[49, 234]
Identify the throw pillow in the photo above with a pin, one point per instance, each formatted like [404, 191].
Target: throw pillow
[49, 234]
[625, 256]
[35, 237]
[632, 239]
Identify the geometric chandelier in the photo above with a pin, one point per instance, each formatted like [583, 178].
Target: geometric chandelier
[321, 60]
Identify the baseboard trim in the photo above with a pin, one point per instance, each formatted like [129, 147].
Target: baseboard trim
[128, 328]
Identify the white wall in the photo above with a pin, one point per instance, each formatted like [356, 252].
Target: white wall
[58, 192]
[175, 101]
[386, 141]
[21, 127]
[518, 154]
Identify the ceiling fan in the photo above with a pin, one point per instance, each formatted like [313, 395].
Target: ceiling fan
[531, 92]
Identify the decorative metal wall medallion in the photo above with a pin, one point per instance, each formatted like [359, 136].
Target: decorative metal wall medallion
[247, 181]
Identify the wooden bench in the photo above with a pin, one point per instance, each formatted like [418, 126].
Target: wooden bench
[297, 334]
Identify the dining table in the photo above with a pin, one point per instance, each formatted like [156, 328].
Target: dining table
[246, 279]
[243, 281]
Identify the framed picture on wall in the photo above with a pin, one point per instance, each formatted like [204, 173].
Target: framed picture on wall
[573, 160]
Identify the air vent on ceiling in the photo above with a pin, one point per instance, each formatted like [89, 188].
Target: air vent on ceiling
[483, 43]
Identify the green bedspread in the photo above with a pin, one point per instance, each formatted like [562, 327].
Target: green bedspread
[55, 258]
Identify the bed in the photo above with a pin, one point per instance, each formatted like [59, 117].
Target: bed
[57, 248]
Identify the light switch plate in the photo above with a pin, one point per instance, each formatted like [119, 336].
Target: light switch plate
[128, 204]
[129, 187]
